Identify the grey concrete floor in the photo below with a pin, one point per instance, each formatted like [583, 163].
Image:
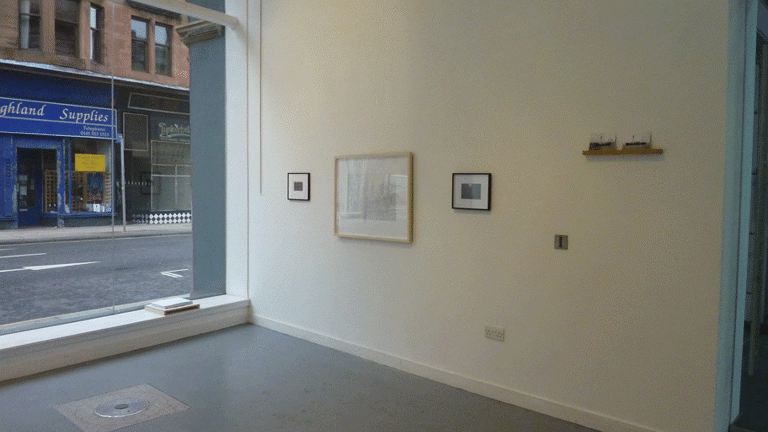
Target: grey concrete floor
[248, 378]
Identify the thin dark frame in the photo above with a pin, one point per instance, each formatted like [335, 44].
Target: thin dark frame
[487, 206]
[306, 183]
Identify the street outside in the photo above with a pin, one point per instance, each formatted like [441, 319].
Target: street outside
[44, 279]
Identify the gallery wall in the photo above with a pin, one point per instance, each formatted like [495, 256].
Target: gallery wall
[618, 332]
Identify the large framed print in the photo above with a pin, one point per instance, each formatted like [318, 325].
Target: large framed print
[471, 191]
[374, 197]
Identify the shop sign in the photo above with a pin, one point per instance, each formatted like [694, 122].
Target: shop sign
[90, 162]
[170, 129]
[20, 116]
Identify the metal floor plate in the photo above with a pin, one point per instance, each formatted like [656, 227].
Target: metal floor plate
[119, 409]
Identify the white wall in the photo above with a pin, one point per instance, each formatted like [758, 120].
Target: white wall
[620, 331]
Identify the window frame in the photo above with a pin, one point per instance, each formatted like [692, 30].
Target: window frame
[168, 48]
[135, 42]
[60, 23]
[29, 15]
[96, 33]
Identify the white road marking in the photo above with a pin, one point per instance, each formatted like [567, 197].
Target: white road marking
[48, 267]
[53, 266]
[172, 273]
[19, 256]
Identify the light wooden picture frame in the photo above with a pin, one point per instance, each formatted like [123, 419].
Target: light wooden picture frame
[374, 197]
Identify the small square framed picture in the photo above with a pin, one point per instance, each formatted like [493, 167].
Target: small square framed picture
[471, 191]
[298, 186]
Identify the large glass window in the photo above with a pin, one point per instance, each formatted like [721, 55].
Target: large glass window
[95, 193]
[139, 59]
[97, 34]
[67, 19]
[29, 24]
[162, 50]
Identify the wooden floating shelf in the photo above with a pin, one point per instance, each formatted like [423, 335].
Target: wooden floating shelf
[639, 151]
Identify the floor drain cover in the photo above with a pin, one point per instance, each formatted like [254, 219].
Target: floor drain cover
[121, 408]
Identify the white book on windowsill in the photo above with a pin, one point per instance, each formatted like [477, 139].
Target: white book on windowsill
[171, 303]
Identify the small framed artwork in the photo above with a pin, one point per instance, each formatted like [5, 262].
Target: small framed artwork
[298, 186]
[471, 191]
[374, 197]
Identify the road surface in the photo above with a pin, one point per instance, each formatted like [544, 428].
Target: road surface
[46, 279]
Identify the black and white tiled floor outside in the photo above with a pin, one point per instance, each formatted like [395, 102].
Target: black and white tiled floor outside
[248, 378]
[48, 234]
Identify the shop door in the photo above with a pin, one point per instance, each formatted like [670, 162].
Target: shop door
[29, 186]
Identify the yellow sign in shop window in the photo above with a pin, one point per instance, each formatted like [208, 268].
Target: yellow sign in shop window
[90, 162]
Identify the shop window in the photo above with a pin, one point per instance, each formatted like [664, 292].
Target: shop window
[67, 18]
[97, 34]
[139, 60]
[162, 50]
[171, 176]
[29, 24]
[135, 132]
[88, 188]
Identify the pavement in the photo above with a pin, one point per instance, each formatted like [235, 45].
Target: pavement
[47, 234]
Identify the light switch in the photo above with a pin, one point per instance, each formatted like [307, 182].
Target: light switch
[561, 241]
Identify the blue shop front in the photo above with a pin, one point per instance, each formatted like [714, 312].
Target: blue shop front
[57, 163]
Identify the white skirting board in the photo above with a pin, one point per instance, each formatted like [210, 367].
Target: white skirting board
[583, 417]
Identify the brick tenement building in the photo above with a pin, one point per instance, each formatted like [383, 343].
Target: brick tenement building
[120, 63]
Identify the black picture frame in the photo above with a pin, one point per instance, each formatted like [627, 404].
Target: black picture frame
[471, 191]
[298, 186]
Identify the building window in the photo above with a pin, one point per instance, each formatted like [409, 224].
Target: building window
[29, 24]
[171, 177]
[162, 50]
[87, 191]
[67, 14]
[97, 34]
[136, 132]
[139, 45]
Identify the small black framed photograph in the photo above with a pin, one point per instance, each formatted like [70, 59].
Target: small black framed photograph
[471, 191]
[298, 186]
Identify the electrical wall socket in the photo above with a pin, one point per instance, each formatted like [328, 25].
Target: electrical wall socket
[495, 333]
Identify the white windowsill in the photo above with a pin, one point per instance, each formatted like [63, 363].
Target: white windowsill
[43, 349]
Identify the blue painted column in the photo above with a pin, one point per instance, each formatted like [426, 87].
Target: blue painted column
[207, 97]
